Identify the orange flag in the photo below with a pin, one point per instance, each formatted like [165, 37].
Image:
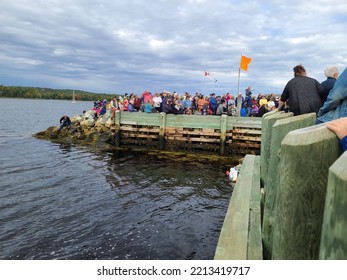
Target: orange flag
[244, 62]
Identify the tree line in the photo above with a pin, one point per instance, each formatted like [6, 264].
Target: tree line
[48, 93]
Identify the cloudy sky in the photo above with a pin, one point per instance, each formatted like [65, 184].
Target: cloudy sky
[118, 46]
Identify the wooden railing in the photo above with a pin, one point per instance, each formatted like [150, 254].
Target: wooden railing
[223, 134]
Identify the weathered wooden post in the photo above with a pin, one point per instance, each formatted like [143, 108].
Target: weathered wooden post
[117, 128]
[306, 155]
[333, 244]
[268, 121]
[239, 102]
[223, 131]
[162, 131]
[279, 130]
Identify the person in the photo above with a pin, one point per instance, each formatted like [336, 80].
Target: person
[255, 111]
[157, 100]
[147, 108]
[176, 107]
[335, 106]
[243, 112]
[248, 102]
[137, 103]
[201, 103]
[232, 110]
[303, 93]
[262, 110]
[114, 107]
[213, 103]
[271, 102]
[131, 107]
[64, 122]
[248, 91]
[332, 73]
[221, 108]
[263, 100]
[339, 126]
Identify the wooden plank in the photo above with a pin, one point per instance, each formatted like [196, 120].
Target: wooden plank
[141, 129]
[193, 139]
[268, 121]
[139, 135]
[248, 138]
[247, 131]
[233, 239]
[255, 248]
[333, 244]
[125, 122]
[140, 118]
[204, 132]
[300, 198]
[280, 129]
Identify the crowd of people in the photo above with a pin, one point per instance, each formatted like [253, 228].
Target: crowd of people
[198, 104]
[301, 95]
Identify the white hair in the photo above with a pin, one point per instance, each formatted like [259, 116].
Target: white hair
[330, 71]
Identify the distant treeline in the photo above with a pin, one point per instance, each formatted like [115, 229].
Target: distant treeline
[48, 93]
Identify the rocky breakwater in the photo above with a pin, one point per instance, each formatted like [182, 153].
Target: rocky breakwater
[84, 130]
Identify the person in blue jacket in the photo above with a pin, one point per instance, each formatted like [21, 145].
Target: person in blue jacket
[336, 105]
[339, 126]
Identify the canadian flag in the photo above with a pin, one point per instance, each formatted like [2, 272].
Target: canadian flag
[207, 73]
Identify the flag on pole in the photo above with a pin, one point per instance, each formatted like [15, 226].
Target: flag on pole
[244, 62]
[207, 73]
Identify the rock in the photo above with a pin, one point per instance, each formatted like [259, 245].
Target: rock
[82, 131]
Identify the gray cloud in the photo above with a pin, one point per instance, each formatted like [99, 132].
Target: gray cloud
[131, 46]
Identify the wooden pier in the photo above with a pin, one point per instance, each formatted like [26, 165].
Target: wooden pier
[302, 195]
[224, 134]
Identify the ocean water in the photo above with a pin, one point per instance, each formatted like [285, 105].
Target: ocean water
[68, 202]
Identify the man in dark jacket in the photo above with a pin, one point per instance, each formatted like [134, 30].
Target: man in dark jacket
[64, 122]
[304, 94]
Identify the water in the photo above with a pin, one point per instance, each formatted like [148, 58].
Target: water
[66, 202]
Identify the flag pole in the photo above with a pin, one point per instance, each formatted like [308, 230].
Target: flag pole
[238, 82]
[238, 97]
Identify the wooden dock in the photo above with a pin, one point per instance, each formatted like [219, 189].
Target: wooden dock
[303, 180]
[224, 134]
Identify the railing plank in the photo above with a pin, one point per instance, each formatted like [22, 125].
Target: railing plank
[334, 230]
[279, 130]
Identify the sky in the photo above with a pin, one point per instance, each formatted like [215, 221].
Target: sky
[125, 46]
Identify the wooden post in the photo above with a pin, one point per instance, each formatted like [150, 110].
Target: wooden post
[255, 248]
[334, 230]
[162, 131]
[117, 128]
[268, 121]
[279, 130]
[223, 130]
[306, 155]
[239, 103]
